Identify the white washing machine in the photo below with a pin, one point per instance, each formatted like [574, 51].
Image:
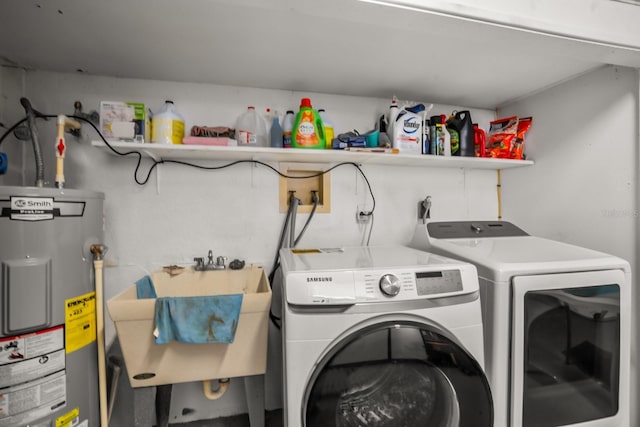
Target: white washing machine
[556, 320]
[382, 337]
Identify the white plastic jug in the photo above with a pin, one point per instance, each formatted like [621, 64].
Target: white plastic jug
[251, 129]
[167, 126]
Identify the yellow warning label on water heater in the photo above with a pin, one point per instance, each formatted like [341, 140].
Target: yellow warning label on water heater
[69, 419]
[80, 321]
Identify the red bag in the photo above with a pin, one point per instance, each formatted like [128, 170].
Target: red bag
[502, 133]
[517, 147]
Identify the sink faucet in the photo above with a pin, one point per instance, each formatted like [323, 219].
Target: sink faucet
[218, 264]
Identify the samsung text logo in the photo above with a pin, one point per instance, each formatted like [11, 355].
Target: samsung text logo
[319, 279]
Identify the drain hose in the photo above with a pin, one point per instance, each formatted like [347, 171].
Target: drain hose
[223, 384]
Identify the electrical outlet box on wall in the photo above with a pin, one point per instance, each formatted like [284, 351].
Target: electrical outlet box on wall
[317, 181]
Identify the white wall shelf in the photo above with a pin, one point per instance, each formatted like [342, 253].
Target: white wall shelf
[204, 152]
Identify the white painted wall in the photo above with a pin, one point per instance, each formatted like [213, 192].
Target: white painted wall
[183, 212]
[583, 188]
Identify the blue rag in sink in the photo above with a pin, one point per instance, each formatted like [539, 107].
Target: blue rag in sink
[198, 319]
[145, 288]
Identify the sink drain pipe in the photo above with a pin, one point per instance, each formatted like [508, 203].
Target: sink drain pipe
[210, 394]
[98, 252]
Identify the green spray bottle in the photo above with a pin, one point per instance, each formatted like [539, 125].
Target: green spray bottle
[308, 130]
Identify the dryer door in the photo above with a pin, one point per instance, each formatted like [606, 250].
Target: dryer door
[398, 373]
[570, 355]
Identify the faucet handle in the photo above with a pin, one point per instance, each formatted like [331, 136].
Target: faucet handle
[199, 263]
[220, 262]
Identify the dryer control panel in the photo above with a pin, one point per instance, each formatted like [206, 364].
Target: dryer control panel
[358, 286]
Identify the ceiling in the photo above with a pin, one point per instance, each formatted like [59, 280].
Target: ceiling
[330, 46]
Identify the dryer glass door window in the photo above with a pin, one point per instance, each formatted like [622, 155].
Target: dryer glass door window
[570, 353]
[398, 374]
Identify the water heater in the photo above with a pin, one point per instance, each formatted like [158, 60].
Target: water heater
[48, 348]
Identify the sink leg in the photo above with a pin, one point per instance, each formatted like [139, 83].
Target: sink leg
[163, 405]
[254, 392]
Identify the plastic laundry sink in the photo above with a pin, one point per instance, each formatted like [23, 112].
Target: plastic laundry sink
[150, 364]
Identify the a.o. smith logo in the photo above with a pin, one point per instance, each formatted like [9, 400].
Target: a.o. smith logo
[31, 203]
[317, 279]
[20, 208]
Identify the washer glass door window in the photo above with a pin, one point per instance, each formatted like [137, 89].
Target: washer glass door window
[395, 374]
[566, 350]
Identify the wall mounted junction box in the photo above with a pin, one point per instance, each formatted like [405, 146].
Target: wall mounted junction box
[316, 180]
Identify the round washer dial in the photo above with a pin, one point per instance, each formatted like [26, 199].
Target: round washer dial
[390, 285]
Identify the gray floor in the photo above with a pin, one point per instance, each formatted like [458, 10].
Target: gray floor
[272, 419]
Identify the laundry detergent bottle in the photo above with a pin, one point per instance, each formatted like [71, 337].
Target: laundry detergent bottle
[308, 130]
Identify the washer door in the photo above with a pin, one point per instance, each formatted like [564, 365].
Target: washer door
[398, 373]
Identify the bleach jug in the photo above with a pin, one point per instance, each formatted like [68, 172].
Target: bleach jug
[461, 126]
[251, 129]
[308, 131]
[167, 126]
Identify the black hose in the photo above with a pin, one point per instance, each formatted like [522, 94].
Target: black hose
[283, 233]
[289, 225]
[11, 129]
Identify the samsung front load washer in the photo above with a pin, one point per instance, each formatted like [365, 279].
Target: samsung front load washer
[382, 337]
[556, 321]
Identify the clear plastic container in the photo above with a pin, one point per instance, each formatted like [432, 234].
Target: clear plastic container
[251, 129]
[167, 126]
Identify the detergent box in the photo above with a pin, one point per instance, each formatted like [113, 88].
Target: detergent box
[125, 121]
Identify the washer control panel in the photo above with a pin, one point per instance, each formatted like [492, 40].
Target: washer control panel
[357, 286]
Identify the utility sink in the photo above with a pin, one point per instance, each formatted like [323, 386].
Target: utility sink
[150, 364]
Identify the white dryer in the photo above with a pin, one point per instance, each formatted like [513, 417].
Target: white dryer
[556, 320]
[382, 337]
